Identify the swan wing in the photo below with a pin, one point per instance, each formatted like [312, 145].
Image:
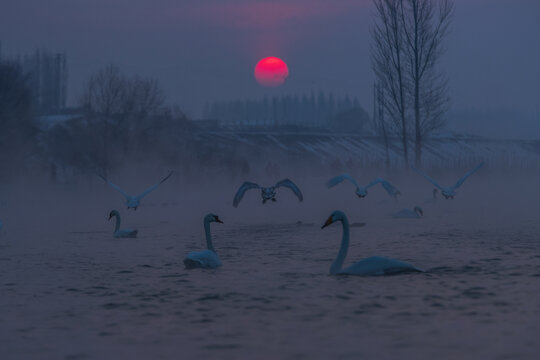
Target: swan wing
[390, 189]
[116, 187]
[242, 190]
[462, 180]
[289, 184]
[377, 265]
[336, 180]
[153, 187]
[428, 178]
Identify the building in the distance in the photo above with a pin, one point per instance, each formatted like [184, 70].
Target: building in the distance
[47, 75]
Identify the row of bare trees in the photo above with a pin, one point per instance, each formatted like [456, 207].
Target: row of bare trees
[121, 122]
[124, 119]
[406, 52]
[125, 122]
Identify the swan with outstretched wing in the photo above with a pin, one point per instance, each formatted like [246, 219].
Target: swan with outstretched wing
[362, 191]
[449, 191]
[133, 201]
[267, 193]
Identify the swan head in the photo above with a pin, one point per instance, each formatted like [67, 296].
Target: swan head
[417, 209]
[335, 216]
[268, 193]
[448, 193]
[113, 213]
[132, 203]
[212, 218]
[361, 192]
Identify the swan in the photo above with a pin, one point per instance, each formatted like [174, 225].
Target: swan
[133, 201]
[374, 265]
[449, 191]
[362, 191]
[121, 233]
[267, 193]
[415, 213]
[206, 259]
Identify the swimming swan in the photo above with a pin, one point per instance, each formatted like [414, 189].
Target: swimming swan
[362, 191]
[374, 265]
[449, 192]
[121, 233]
[415, 213]
[206, 259]
[133, 201]
[267, 193]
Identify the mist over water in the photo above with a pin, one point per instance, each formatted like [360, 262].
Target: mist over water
[75, 292]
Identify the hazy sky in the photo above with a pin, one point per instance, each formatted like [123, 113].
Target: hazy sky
[205, 50]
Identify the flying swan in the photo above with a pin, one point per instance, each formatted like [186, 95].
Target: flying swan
[450, 192]
[206, 259]
[121, 233]
[374, 265]
[362, 191]
[133, 201]
[267, 193]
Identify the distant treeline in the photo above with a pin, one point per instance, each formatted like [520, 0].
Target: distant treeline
[321, 111]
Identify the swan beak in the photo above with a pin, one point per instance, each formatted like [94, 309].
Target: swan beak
[219, 220]
[110, 217]
[328, 222]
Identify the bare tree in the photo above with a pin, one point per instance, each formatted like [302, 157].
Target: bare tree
[105, 91]
[425, 25]
[118, 108]
[142, 97]
[388, 62]
[380, 120]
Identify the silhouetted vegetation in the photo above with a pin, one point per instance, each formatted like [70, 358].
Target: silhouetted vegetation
[293, 112]
[407, 47]
[17, 124]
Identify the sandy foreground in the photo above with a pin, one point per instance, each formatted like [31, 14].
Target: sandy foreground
[71, 291]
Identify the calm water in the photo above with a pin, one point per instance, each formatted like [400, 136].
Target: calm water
[79, 294]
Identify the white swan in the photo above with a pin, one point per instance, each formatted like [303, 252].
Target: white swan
[133, 201]
[415, 213]
[374, 265]
[121, 233]
[450, 191]
[361, 191]
[207, 259]
[267, 193]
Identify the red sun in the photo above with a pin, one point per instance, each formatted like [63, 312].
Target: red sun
[271, 71]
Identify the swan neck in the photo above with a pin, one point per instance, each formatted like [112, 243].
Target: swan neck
[117, 227]
[209, 244]
[338, 263]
